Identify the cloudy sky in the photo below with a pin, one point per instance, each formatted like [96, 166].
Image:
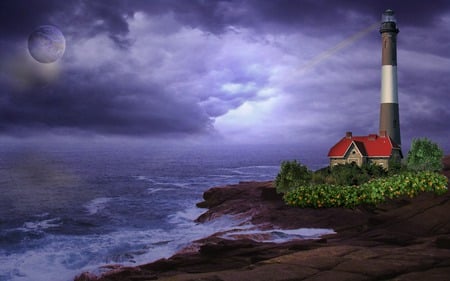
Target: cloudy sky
[251, 71]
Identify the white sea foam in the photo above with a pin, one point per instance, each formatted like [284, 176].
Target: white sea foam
[68, 256]
[154, 190]
[143, 178]
[96, 205]
[43, 215]
[186, 216]
[41, 224]
[42, 264]
[156, 182]
[277, 235]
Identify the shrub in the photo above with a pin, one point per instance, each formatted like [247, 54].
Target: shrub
[396, 167]
[292, 174]
[374, 170]
[348, 174]
[323, 176]
[372, 192]
[424, 155]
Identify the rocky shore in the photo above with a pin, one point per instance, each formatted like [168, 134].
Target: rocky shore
[404, 239]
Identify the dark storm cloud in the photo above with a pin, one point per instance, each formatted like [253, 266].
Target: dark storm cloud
[174, 66]
[312, 15]
[215, 16]
[17, 18]
[100, 100]
[319, 14]
[105, 108]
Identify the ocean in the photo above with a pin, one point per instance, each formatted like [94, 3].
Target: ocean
[66, 209]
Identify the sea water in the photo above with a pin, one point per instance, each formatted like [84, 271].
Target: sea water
[66, 209]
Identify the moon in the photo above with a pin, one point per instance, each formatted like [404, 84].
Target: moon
[46, 44]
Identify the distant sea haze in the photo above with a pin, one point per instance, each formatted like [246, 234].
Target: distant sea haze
[75, 208]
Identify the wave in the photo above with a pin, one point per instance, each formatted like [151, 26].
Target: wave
[152, 190]
[164, 182]
[143, 178]
[41, 225]
[29, 232]
[96, 205]
[216, 177]
[251, 169]
[68, 255]
[188, 215]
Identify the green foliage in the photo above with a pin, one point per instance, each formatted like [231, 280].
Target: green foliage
[372, 192]
[323, 176]
[374, 170]
[396, 167]
[292, 174]
[424, 155]
[348, 174]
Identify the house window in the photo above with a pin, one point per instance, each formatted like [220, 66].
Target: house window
[353, 152]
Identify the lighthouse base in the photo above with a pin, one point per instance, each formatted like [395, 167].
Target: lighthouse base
[390, 121]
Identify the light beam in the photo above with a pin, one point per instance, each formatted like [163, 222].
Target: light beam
[333, 50]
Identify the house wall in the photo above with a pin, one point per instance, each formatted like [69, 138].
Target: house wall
[352, 155]
[383, 162]
[337, 161]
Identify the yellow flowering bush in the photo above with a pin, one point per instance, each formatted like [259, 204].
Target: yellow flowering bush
[372, 192]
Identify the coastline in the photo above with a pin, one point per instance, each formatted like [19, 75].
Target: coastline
[405, 239]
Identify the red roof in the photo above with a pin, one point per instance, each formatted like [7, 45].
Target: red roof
[370, 146]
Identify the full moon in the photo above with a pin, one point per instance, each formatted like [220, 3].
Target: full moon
[46, 44]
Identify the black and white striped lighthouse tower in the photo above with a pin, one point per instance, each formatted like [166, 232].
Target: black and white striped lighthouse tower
[389, 115]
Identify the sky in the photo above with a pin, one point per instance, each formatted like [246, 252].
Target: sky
[277, 72]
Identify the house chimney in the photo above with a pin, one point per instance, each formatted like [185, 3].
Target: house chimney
[348, 135]
[383, 133]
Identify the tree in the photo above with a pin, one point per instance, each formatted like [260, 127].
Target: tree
[424, 155]
[292, 174]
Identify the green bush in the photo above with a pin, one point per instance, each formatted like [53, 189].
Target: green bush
[292, 174]
[323, 176]
[424, 155]
[372, 192]
[348, 174]
[396, 167]
[374, 170]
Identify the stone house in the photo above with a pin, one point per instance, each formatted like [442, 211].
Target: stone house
[379, 149]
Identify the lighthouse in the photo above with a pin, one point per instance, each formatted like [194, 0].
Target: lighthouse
[384, 148]
[389, 113]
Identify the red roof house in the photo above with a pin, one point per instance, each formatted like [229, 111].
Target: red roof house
[379, 149]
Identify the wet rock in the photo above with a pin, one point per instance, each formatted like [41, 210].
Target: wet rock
[443, 242]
